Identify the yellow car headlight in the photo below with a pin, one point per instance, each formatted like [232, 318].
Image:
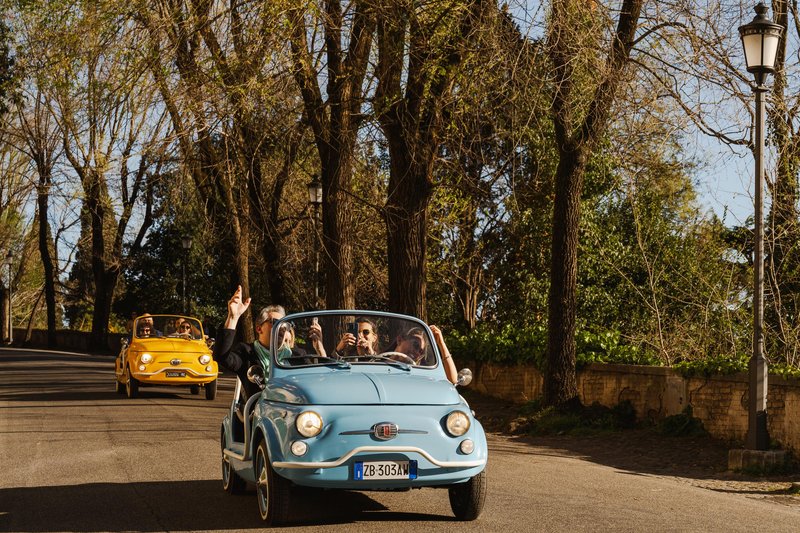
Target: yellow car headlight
[309, 424]
[457, 423]
[205, 359]
[146, 358]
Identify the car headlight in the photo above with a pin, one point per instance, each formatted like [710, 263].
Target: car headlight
[146, 358]
[309, 423]
[457, 423]
[299, 448]
[467, 446]
[205, 359]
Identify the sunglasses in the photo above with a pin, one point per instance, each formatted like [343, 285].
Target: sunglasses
[416, 344]
[185, 326]
[366, 332]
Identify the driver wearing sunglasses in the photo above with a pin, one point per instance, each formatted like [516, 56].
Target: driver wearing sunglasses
[185, 328]
[413, 344]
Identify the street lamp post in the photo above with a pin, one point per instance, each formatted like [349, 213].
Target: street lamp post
[315, 200]
[760, 39]
[7, 262]
[186, 244]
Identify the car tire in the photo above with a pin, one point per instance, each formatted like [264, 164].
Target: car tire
[118, 386]
[211, 390]
[466, 499]
[272, 491]
[131, 385]
[231, 482]
[194, 389]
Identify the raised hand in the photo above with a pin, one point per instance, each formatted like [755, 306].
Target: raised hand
[236, 308]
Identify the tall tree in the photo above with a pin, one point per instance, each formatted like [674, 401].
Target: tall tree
[420, 48]
[335, 123]
[578, 129]
[41, 145]
[111, 132]
[228, 91]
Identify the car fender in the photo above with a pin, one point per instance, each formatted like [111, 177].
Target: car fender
[275, 426]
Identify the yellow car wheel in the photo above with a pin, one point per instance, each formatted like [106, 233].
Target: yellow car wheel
[131, 385]
[118, 387]
[211, 390]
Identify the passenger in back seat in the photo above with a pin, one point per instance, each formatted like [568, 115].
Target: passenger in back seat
[238, 358]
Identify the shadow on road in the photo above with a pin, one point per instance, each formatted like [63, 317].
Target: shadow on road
[642, 450]
[175, 506]
[41, 394]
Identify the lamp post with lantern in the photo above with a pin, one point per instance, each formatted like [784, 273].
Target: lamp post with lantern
[7, 262]
[315, 200]
[186, 244]
[760, 39]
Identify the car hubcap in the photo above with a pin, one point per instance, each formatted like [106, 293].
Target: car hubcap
[226, 470]
[263, 488]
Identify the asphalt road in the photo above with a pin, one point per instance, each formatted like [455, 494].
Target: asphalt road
[77, 457]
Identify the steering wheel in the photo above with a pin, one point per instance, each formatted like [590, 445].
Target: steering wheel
[392, 355]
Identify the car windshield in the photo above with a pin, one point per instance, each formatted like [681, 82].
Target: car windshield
[352, 339]
[167, 326]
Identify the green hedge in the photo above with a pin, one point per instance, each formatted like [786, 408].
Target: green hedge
[528, 345]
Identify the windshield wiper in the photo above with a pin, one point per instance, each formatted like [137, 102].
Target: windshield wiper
[330, 361]
[390, 361]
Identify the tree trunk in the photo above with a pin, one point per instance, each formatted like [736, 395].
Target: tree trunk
[47, 261]
[336, 231]
[406, 214]
[576, 140]
[560, 382]
[335, 126]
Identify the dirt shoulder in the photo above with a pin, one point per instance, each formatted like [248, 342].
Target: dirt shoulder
[700, 461]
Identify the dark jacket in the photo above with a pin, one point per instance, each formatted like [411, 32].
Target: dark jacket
[236, 358]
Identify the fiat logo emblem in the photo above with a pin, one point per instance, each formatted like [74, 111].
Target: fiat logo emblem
[384, 430]
[175, 362]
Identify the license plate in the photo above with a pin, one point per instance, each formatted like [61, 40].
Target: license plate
[385, 470]
[176, 374]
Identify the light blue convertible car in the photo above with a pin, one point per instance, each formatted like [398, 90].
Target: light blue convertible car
[370, 408]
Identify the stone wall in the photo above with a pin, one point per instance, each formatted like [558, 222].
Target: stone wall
[67, 340]
[657, 392]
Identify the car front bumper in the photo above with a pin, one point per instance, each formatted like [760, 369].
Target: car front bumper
[191, 376]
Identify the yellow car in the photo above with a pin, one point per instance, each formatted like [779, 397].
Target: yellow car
[166, 350]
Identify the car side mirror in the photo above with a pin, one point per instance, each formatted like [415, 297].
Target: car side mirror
[209, 341]
[123, 342]
[256, 375]
[464, 377]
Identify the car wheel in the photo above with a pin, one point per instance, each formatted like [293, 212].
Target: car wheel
[119, 387]
[211, 390]
[466, 499]
[194, 389]
[272, 491]
[231, 482]
[131, 385]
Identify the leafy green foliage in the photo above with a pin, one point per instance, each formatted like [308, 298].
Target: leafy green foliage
[610, 347]
[784, 370]
[714, 365]
[528, 344]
